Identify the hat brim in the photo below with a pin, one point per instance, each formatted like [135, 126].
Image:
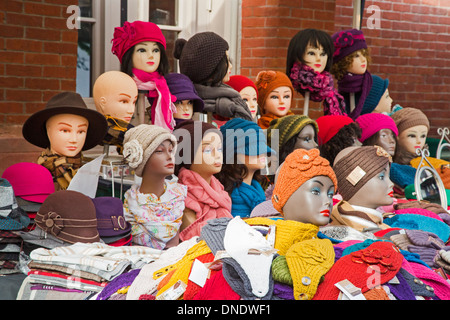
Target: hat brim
[198, 102]
[28, 206]
[35, 132]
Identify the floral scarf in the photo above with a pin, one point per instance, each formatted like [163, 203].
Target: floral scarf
[163, 106]
[63, 168]
[320, 86]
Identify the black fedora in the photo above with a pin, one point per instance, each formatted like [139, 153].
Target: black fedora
[35, 132]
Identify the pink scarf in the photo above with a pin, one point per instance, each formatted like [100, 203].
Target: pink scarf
[209, 201]
[163, 107]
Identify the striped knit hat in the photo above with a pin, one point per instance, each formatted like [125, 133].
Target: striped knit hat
[288, 127]
[355, 166]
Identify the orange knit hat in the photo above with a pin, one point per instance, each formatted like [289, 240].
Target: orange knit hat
[267, 81]
[299, 166]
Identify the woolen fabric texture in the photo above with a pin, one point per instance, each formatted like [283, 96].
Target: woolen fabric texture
[329, 126]
[239, 82]
[267, 81]
[409, 117]
[183, 89]
[289, 127]
[375, 94]
[246, 197]
[346, 42]
[372, 123]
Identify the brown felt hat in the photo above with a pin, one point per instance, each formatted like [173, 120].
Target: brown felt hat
[35, 132]
[69, 216]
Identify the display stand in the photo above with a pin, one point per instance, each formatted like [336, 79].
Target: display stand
[306, 104]
[141, 105]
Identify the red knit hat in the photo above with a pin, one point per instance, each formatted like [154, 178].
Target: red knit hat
[238, 82]
[365, 269]
[133, 33]
[330, 125]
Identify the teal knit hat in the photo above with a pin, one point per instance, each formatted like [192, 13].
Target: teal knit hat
[243, 137]
[379, 86]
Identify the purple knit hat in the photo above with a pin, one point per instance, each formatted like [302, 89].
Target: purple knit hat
[371, 123]
[346, 42]
[182, 87]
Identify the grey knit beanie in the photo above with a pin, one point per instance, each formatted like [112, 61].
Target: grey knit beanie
[141, 141]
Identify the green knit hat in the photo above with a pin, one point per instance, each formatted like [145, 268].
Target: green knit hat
[289, 126]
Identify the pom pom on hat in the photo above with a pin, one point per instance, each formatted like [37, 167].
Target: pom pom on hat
[141, 141]
[371, 123]
[298, 167]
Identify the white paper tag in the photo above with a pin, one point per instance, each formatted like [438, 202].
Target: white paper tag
[199, 273]
[174, 292]
[352, 292]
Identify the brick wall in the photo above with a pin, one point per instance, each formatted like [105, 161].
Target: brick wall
[267, 28]
[38, 56]
[411, 49]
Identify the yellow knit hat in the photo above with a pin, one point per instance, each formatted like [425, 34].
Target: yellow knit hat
[308, 261]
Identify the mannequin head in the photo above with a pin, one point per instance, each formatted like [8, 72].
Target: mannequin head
[185, 109]
[413, 126]
[378, 129]
[363, 176]
[311, 47]
[162, 161]
[248, 91]
[351, 54]
[204, 58]
[245, 153]
[335, 134]
[115, 94]
[294, 132]
[378, 99]
[67, 133]
[140, 45]
[275, 93]
[306, 181]
[208, 157]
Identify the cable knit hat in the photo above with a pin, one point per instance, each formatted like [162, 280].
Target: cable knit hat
[329, 126]
[409, 117]
[200, 55]
[371, 123]
[133, 33]
[289, 126]
[239, 82]
[267, 81]
[346, 42]
[141, 141]
[70, 216]
[243, 137]
[298, 167]
[355, 166]
[377, 90]
[308, 261]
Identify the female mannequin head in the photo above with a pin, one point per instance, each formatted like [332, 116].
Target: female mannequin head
[335, 134]
[248, 91]
[200, 148]
[204, 58]
[378, 99]
[275, 93]
[67, 133]
[351, 54]
[378, 129]
[413, 126]
[306, 181]
[140, 45]
[311, 47]
[294, 132]
[363, 176]
[115, 94]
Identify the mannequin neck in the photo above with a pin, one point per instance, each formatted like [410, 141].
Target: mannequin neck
[153, 184]
[249, 177]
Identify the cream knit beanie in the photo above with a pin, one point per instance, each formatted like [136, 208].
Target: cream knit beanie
[141, 141]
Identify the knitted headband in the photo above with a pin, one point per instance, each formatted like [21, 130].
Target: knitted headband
[371, 123]
[406, 118]
[298, 167]
[289, 126]
[355, 166]
[267, 81]
[141, 141]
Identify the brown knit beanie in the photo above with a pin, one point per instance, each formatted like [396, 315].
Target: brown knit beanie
[355, 166]
[196, 130]
[409, 117]
[267, 81]
[200, 55]
[298, 167]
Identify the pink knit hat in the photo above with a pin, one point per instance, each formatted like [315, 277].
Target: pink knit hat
[371, 123]
[30, 181]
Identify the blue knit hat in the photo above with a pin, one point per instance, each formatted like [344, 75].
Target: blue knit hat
[377, 90]
[243, 137]
[402, 174]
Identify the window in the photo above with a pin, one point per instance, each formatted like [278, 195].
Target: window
[84, 59]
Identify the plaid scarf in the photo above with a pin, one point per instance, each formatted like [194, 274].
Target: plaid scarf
[62, 168]
[116, 132]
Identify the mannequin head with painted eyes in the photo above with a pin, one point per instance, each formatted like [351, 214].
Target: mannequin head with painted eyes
[115, 94]
[148, 56]
[310, 47]
[248, 91]
[305, 180]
